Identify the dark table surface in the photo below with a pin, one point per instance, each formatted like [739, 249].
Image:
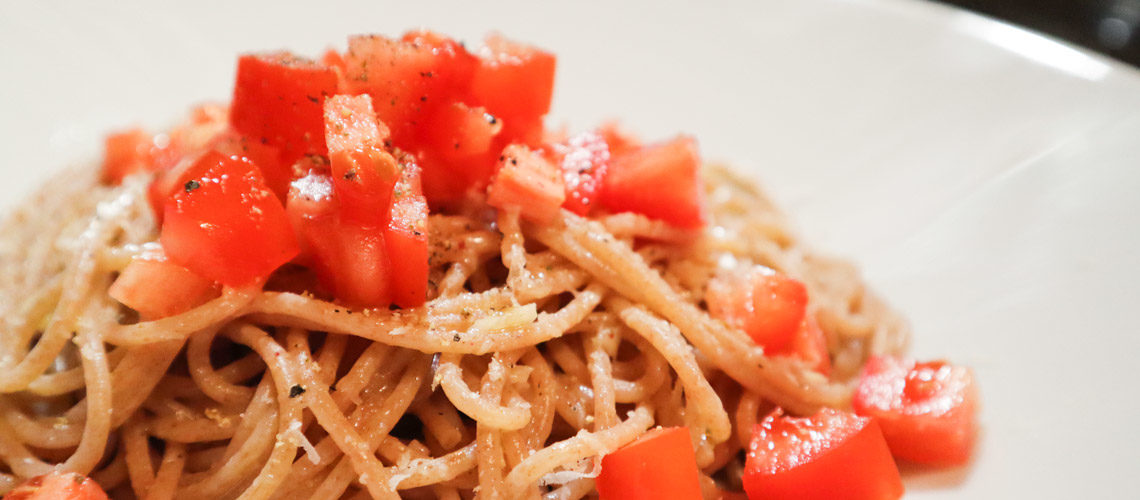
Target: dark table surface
[1106, 26]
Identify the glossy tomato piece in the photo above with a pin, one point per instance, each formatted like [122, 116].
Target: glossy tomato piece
[459, 152]
[584, 160]
[125, 153]
[515, 82]
[363, 173]
[266, 157]
[350, 258]
[526, 180]
[310, 202]
[407, 239]
[810, 345]
[927, 410]
[660, 465]
[157, 288]
[277, 101]
[58, 486]
[830, 455]
[672, 170]
[225, 224]
[407, 78]
[619, 140]
[769, 306]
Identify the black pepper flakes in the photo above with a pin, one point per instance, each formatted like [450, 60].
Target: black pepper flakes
[455, 338]
[191, 185]
[313, 100]
[296, 390]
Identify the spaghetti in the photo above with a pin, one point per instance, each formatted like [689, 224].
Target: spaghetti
[542, 347]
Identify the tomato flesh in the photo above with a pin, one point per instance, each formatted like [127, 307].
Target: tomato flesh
[659, 465]
[661, 181]
[515, 82]
[225, 224]
[350, 258]
[769, 306]
[927, 410]
[363, 173]
[529, 182]
[58, 486]
[126, 153]
[810, 344]
[829, 455]
[407, 240]
[157, 288]
[584, 160]
[277, 101]
[407, 78]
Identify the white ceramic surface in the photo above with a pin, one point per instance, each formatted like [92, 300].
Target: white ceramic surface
[985, 177]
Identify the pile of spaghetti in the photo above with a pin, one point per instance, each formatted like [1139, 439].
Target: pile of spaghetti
[545, 340]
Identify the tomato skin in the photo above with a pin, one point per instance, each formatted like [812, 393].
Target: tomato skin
[810, 344]
[927, 410]
[350, 259]
[528, 181]
[769, 306]
[277, 100]
[672, 168]
[407, 78]
[830, 455]
[266, 157]
[363, 173]
[407, 240]
[225, 225]
[57, 486]
[125, 153]
[515, 82]
[660, 465]
[157, 288]
[584, 160]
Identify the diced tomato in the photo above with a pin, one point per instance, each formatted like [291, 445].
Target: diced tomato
[157, 288]
[927, 410]
[277, 101]
[515, 82]
[459, 151]
[350, 259]
[407, 78]
[810, 344]
[310, 202]
[660, 465]
[335, 61]
[57, 486]
[661, 181]
[363, 173]
[527, 181]
[126, 153]
[225, 225]
[407, 239]
[584, 159]
[767, 305]
[620, 141]
[829, 455]
[266, 157]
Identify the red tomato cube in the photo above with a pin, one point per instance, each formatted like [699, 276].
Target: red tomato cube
[927, 410]
[407, 239]
[829, 455]
[661, 181]
[660, 465]
[529, 182]
[225, 224]
[277, 101]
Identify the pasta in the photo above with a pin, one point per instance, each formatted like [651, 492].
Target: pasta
[541, 348]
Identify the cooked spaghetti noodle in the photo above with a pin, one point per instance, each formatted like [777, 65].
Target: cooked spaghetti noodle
[540, 349]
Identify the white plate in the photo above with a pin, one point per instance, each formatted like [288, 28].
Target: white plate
[985, 177]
